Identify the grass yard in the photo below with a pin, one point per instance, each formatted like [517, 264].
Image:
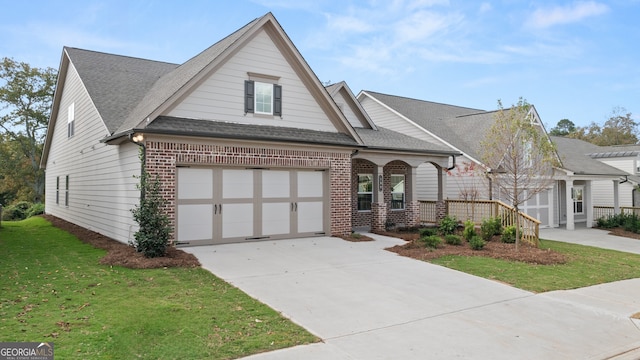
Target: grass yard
[586, 266]
[52, 288]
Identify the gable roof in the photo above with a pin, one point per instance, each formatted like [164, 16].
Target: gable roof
[343, 89]
[574, 157]
[172, 86]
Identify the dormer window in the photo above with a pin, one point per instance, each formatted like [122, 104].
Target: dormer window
[263, 97]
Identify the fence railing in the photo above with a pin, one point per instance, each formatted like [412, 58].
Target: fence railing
[479, 210]
[604, 211]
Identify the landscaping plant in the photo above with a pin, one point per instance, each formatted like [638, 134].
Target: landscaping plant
[432, 241]
[469, 230]
[152, 239]
[453, 239]
[490, 227]
[477, 243]
[448, 225]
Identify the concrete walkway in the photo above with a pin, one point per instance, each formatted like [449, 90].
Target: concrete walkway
[592, 237]
[368, 303]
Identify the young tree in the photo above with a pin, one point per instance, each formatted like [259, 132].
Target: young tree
[519, 155]
[466, 175]
[26, 94]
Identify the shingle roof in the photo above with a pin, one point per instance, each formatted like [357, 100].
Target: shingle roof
[574, 157]
[391, 140]
[228, 130]
[616, 151]
[116, 83]
[461, 127]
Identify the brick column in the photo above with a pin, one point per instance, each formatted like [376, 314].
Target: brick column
[441, 210]
[412, 213]
[378, 216]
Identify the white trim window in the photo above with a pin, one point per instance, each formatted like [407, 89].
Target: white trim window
[262, 98]
[365, 192]
[71, 119]
[397, 192]
[577, 194]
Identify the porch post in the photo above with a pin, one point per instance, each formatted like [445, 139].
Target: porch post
[378, 207]
[412, 206]
[569, 202]
[441, 209]
[588, 203]
[551, 219]
[616, 197]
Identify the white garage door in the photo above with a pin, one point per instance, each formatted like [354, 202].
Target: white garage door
[223, 205]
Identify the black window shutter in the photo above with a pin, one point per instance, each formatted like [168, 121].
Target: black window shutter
[248, 96]
[277, 100]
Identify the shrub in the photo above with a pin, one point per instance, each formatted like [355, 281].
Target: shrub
[152, 238]
[17, 211]
[448, 225]
[35, 209]
[490, 227]
[469, 230]
[631, 223]
[453, 239]
[428, 232]
[432, 241]
[509, 234]
[477, 243]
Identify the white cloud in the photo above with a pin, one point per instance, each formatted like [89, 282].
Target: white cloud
[485, 7]
[347, 24]
[547, 17]
[424, 24]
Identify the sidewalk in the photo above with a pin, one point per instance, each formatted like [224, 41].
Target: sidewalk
[592, 237]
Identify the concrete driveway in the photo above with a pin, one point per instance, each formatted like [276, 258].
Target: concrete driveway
[368, 303]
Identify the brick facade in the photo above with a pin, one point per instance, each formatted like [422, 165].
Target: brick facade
[162, 158]
[378, 217]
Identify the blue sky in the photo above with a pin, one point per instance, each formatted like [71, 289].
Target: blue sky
[571, 59]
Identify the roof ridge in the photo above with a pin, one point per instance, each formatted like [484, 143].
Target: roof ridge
[421, 100]
[119, 55]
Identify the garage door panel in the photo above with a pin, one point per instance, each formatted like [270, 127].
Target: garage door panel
[194, 183]
[237, 220]
[237, 184]
[310, 216]
[195, 222]
[276, 218]
[276, 184]
[310, 183]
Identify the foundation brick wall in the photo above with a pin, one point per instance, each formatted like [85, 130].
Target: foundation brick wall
[162, 158]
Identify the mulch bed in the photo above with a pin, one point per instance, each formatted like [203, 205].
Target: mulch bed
[622, 232]
[121, 254]
[493, 249]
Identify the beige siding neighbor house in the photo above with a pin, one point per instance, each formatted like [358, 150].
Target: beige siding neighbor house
[461, 129]
[247, 143]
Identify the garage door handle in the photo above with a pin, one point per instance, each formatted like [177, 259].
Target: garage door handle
[220, 208]
[294, 206]
[215, 209]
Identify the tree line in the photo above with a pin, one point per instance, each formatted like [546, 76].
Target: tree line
[618, 129]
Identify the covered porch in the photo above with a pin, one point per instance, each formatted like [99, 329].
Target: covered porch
[384, 189]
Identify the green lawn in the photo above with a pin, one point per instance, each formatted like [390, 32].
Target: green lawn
[586, 266]
[52, 288]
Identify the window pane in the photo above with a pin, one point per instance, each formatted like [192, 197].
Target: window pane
[365, 183]
[364, 201]
[397, 192]
[264, 98]
[365, 191]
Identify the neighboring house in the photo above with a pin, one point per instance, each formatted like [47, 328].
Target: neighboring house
[462, 129]
[627, 159]
[247, 144]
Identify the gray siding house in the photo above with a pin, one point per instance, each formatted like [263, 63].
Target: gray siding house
[247, 143]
